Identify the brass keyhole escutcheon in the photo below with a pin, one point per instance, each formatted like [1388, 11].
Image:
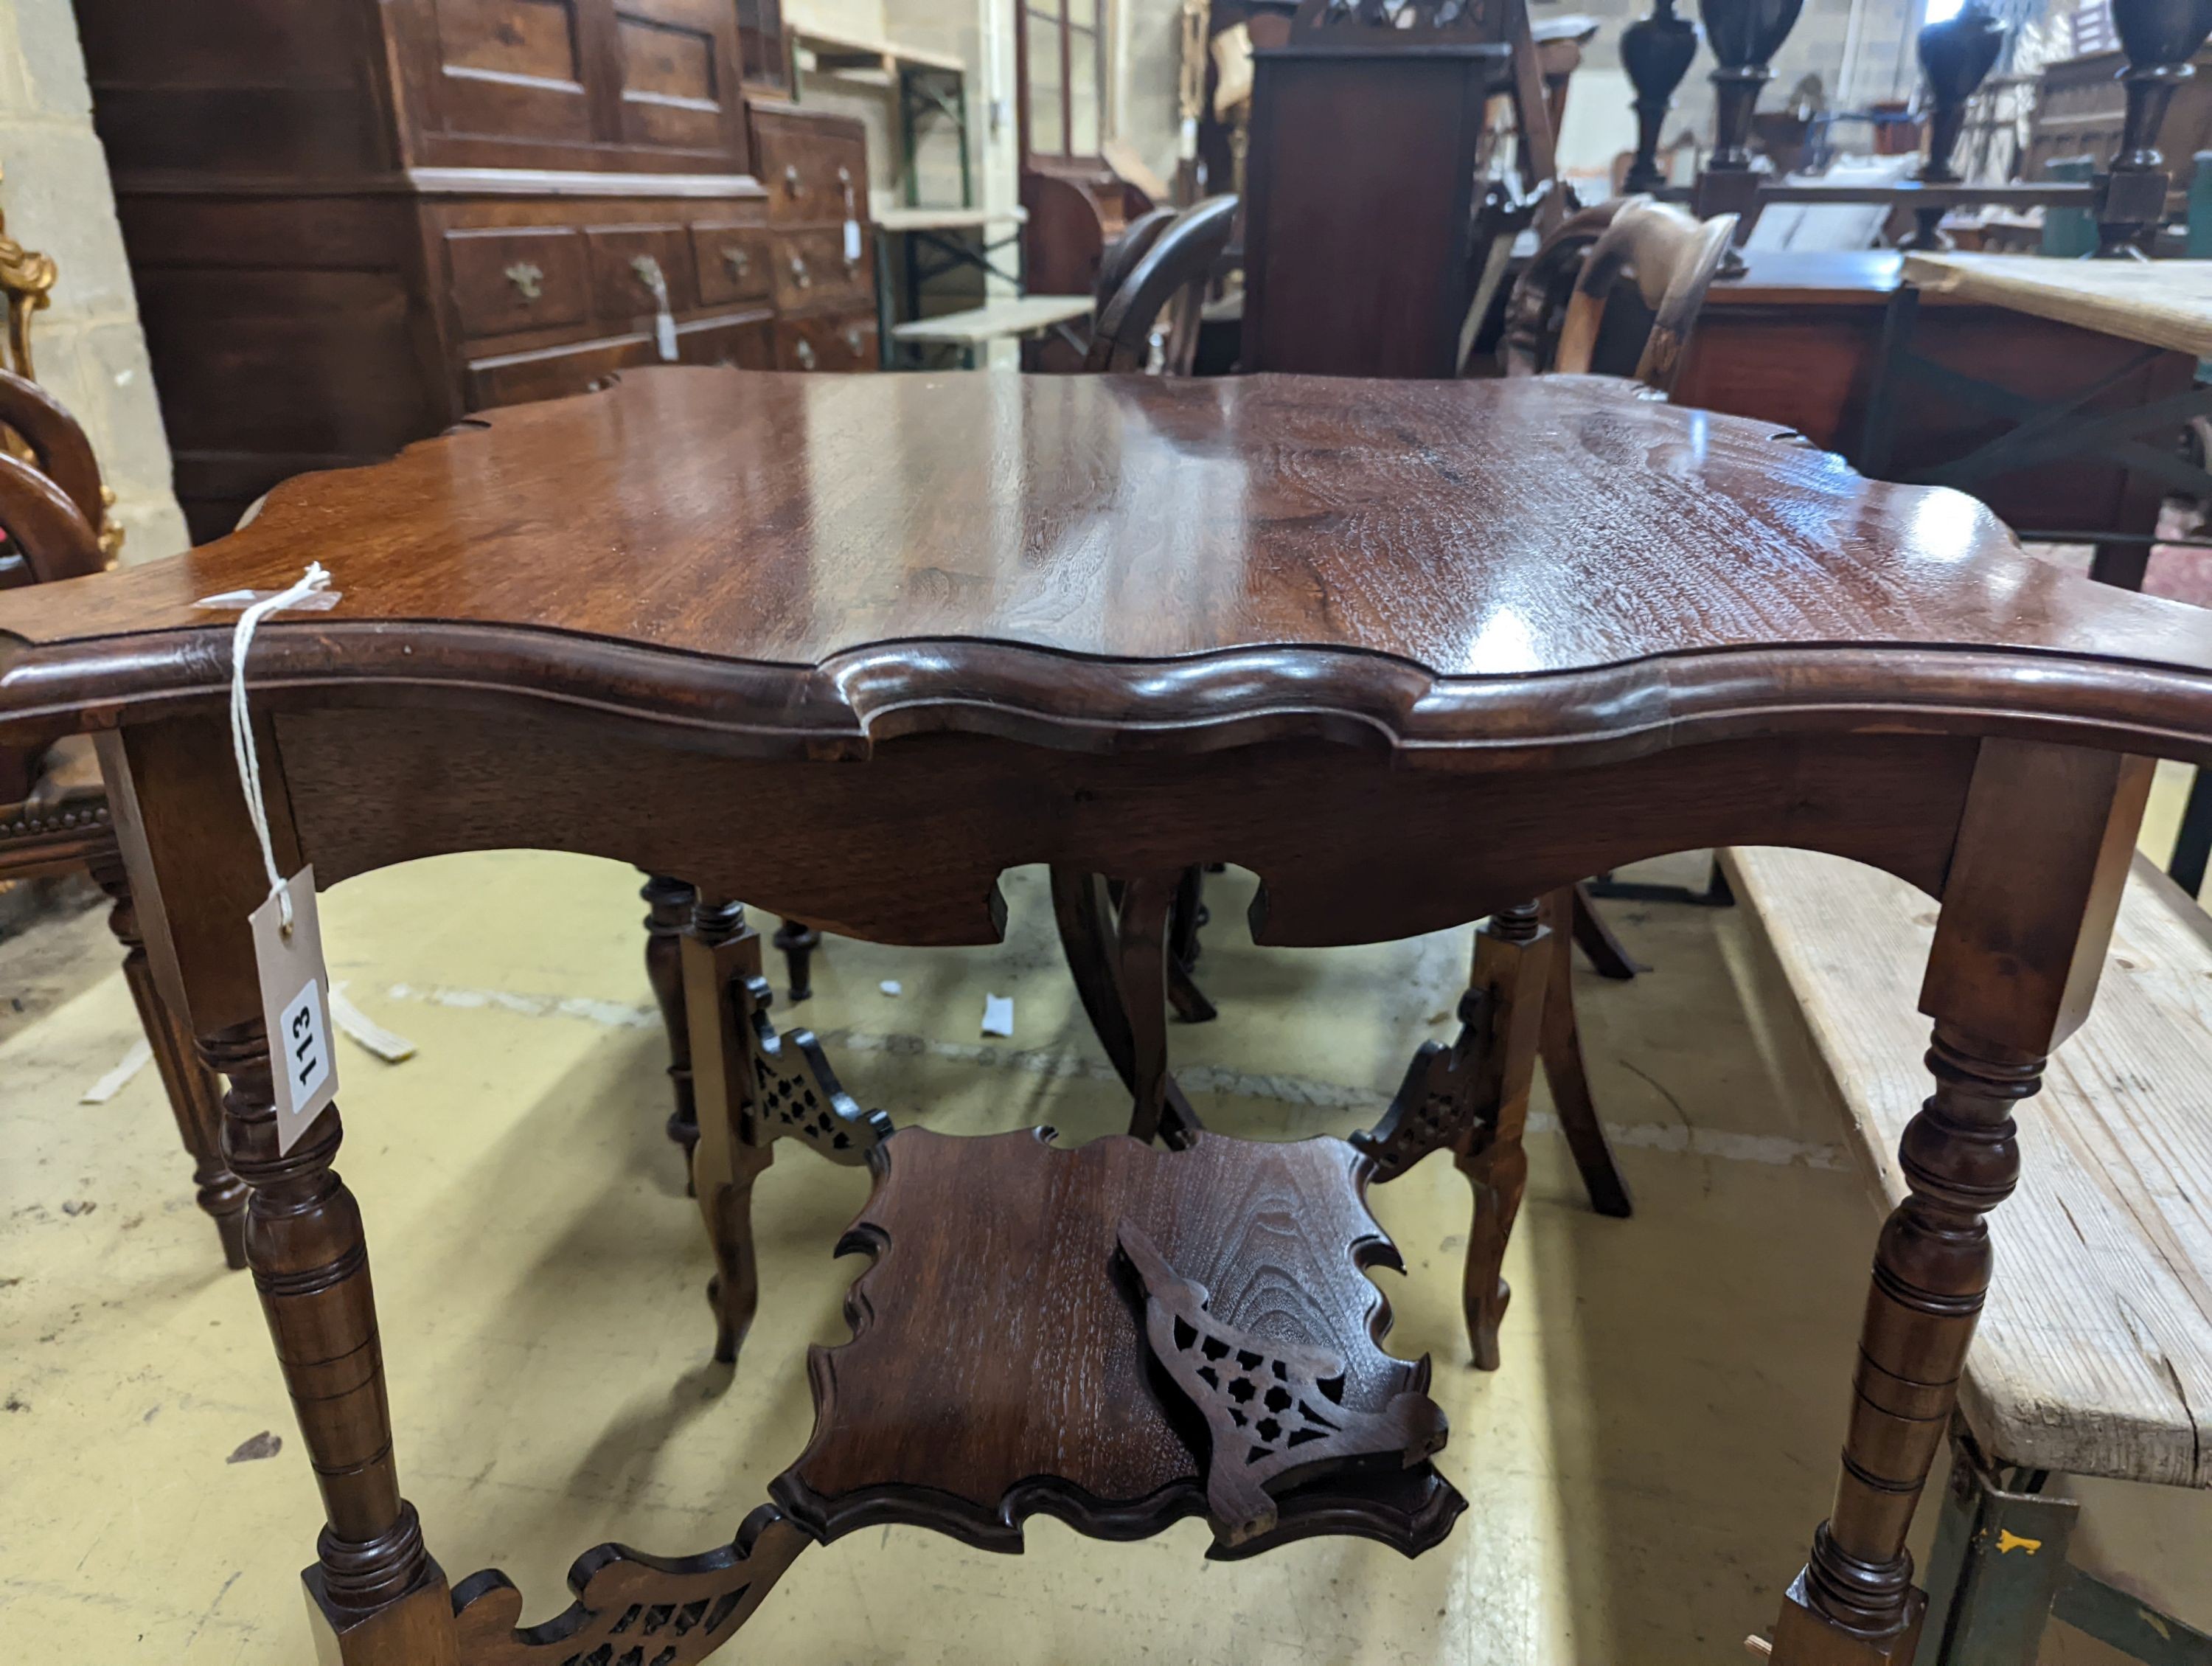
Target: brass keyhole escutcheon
[528, 279]
[737, 261]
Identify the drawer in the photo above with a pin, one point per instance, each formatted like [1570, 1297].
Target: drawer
[508, 280]
[829, 341]
[734, 261]
[512, 379]
[814, 169]
[750, 345]
[810, 269]
[620, 294]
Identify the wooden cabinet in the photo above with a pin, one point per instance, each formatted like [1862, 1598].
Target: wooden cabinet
[821, 251]
[352, 222]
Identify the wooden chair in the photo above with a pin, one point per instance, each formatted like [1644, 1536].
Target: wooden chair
[1170, 274]
[1566, 314]
[54, 816]
[1126, 251]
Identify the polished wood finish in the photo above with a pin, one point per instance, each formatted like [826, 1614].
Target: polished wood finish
[1361, 253]
[999, 1366]
[1368, 674]
[669, 904]
[54, 816]
[1656, 51]
[1170, 275]
[1669, 259]
[1798, 342]
[384, 216]
[666, 1611]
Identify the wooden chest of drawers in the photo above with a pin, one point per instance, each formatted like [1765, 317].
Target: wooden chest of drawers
[350, 222]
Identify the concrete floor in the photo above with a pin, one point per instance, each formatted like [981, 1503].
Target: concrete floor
[1641, 1475]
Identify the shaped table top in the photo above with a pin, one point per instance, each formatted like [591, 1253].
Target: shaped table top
[823, 558]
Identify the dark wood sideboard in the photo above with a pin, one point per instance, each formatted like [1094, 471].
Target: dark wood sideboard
[351, 224]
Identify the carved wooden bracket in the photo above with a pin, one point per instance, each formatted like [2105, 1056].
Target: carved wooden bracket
[1447, 1098]
[794, 1093]
[1274, 1411]
[632, 1610]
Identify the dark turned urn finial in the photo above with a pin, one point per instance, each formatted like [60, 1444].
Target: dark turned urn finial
[2160, 38]
[1743, 35]
[1656, 51]
[1955, 56]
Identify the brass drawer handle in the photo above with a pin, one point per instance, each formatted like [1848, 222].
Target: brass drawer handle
[853, 338]
[738, 262]
[805, 354]
[650, 277]
[791, 184]
[527, 278]
[799, 275]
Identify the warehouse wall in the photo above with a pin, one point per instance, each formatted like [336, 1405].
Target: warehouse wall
[87, 347]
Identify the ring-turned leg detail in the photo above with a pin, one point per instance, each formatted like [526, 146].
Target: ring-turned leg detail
[373, 1582]
[670, 903]
[799, 941]
[632, 1610]
[1960, 1156]
[195, 1095]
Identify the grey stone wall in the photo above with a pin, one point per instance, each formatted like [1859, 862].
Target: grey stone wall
[87, 347]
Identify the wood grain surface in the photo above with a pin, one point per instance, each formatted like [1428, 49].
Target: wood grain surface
[2094, 1354]
[999, 1365]
[799, 563]
[2161, 303]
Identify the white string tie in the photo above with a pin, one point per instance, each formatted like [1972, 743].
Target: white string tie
[248, 756]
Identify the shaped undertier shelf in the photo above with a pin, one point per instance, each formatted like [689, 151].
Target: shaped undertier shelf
[1093, 1333]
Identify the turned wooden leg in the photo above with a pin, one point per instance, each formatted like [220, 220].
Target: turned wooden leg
[2035, 883]
[1596, 938]
[195, 1096]
[1141, 973]
[1185, 916]
[720, 952]
[381, 1598]
[1561, 1045]
[799, 941]
[1083, 909]
[669, 904]
[1511, 955]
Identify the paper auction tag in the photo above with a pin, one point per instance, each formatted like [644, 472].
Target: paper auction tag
[852, 241]
[295, 1005]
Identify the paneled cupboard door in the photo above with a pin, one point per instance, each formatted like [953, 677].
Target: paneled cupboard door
[513, 70]
[570, 84]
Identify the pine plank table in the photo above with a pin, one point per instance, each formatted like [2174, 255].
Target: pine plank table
[1414, 651]
[2160, 303]
[2095, 1356]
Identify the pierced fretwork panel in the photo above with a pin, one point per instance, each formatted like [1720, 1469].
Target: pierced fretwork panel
[1440, 1103]
[795, 1093]
[632, 1610]
[1273, 1411]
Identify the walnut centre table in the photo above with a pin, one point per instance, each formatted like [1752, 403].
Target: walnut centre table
[1413, 651]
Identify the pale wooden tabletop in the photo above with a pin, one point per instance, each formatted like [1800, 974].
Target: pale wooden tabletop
[1019, 315]
[2094, 1355]
[2160, 303]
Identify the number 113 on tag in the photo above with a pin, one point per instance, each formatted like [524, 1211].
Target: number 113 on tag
[295, 1005]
